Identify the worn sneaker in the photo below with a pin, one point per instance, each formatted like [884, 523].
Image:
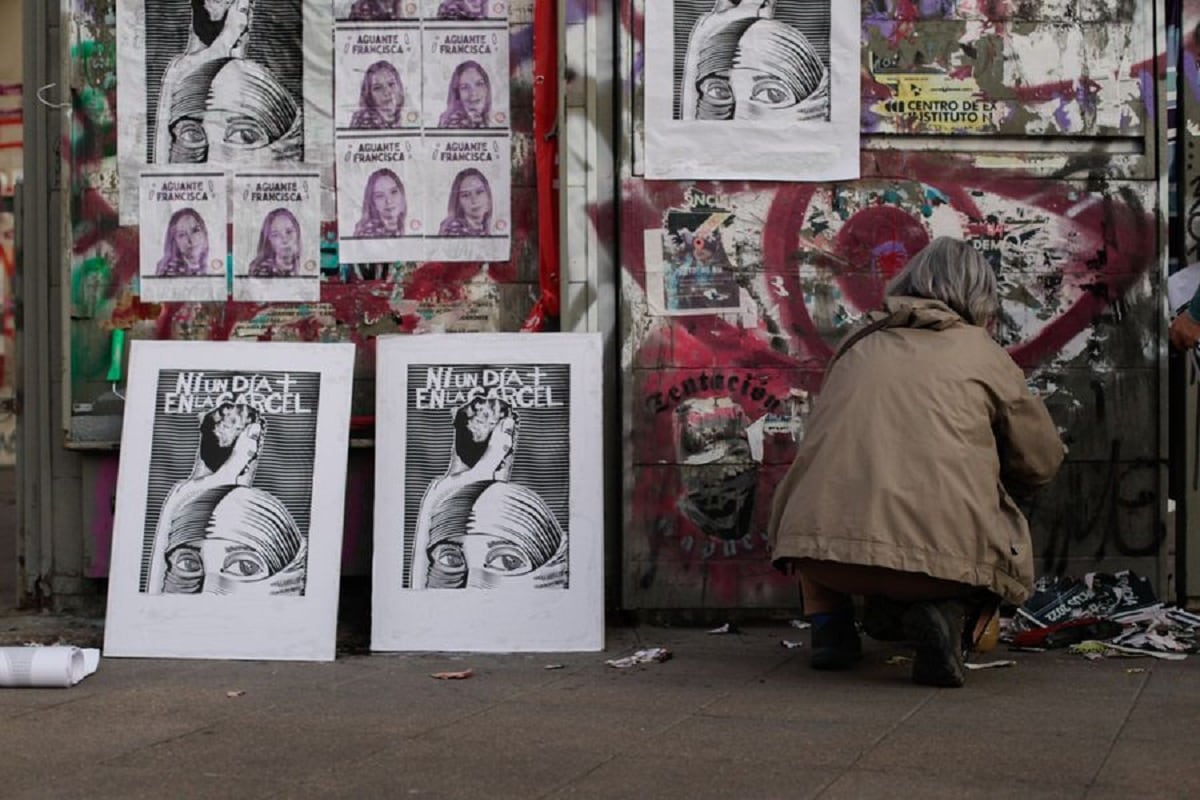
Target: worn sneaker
[835, 642]
[936, 631]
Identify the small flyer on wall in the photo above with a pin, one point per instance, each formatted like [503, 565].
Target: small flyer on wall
[466, 77]
[277, 236]
[183, 236]
[376, 10]
[688, 269]
[381, 216]
[465, 10]
[468, 198]
[378, 84]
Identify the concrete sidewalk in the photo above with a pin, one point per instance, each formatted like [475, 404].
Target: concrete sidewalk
[732, 716]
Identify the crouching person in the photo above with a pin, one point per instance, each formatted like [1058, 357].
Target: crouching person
[901, 490]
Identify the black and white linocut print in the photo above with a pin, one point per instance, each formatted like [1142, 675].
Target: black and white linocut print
[182, 236]
[224, 81]
[487, 476]
[752, 60]
[378, 84]
[277, 236]
[230, 485]
[465, 10]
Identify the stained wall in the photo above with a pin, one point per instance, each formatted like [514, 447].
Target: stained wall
[1053, 175]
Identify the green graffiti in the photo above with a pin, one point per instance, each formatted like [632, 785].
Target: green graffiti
[89, 281]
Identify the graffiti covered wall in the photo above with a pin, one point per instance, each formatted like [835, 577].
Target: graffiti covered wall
[357, 302]
[1028, 129]
[11, 155]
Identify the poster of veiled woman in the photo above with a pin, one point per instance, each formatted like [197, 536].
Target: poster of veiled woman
[752, 89]
[488, 525]
[225, 83]
[227, 534]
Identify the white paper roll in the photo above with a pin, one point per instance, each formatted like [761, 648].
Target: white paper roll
[46, 667]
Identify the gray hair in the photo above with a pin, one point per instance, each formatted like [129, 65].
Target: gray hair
[953, 272]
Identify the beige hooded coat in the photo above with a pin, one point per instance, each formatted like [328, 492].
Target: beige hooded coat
[919, 428]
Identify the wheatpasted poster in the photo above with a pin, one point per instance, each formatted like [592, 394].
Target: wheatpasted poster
[757, 89]
[381, 211]
[182, 236]
[277, 236]
[378, 77]
[224, 83]
[466, 73]
[468, 188]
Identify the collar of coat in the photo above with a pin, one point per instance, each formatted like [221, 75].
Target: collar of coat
[916, 312]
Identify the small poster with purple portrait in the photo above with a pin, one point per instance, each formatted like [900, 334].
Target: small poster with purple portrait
[381, 207]
[378, 84]
[277, 236]
[182, 236]
[465, 10]
[376, 10]
[468, 198]
[466, 77]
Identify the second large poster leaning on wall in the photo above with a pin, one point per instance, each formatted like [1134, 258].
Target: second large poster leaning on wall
[225, 83]
[756, 89]
[229, 501]
[488, 519]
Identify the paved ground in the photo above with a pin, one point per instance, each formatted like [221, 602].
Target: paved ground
[735, 716]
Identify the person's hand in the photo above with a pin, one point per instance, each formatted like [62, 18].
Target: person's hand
[1184, 332]
[244, 453]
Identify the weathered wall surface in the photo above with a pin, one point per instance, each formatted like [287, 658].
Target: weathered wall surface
[1027, 128]
[11, 154]
[357, 303]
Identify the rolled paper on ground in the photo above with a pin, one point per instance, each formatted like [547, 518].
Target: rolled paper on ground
[46, 667]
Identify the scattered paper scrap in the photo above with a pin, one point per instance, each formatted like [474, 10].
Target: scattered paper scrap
[801, 625]
[236, 693]
[791, 645]
[726, 628]
[991, 664]
[555, 666]
[460, 675]
[1135, 670]
[896, 661]
[647, 656]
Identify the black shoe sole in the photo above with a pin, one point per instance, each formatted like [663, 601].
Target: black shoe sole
[939, 658]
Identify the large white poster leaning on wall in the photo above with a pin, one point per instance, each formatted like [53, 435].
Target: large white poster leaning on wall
[224, 83]
[228, 528]
[488, 484]
[756, 90]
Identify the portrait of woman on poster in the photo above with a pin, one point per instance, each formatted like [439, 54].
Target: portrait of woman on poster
[469, 99]
[462, 9]
[185, 247]
[754, 69]
[380, 99]
[385, 206]
[376, 10]
[279, 247]
[218, 106]
[234, 540]
[470, 206]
